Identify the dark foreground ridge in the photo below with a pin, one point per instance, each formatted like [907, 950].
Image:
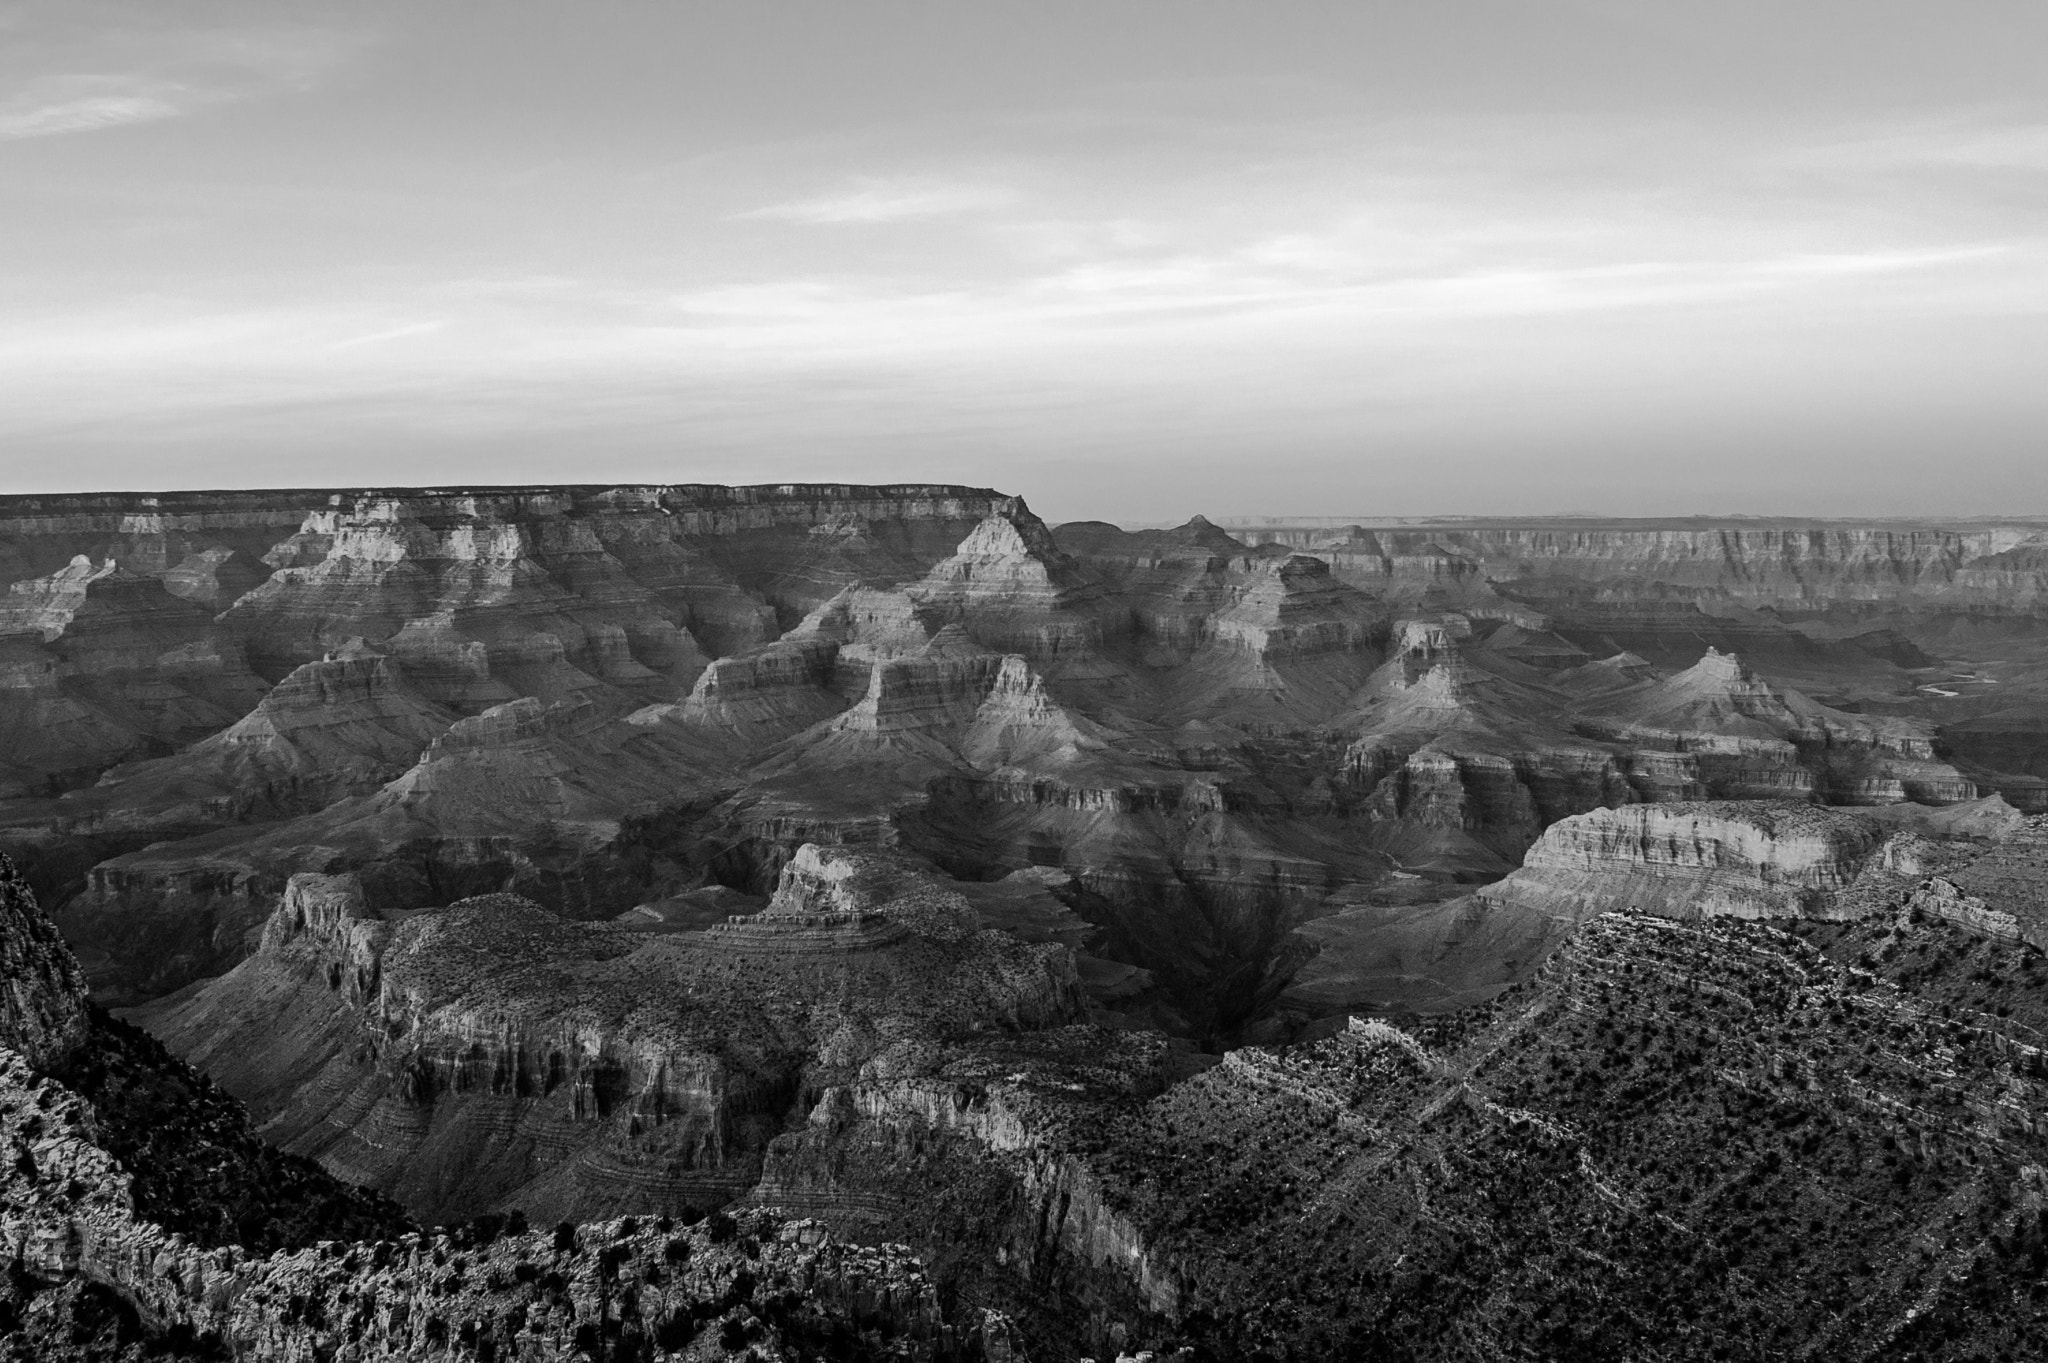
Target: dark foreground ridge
[141, 1218]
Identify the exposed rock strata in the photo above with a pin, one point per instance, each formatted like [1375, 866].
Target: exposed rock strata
[1744, 859]
[141, 1219]
[599, 1067]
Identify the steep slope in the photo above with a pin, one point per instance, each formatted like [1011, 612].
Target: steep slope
[483, 603]
[1463, 763]
[1684, 1140]
[1747, 859]
[331, 729]
[556, 801]
[97, 664]
[1012, 589]
[1753, 740]
[1285, 651]
[490, 1055]
[143, 1220]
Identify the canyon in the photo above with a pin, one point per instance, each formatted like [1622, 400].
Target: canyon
[1288, 939]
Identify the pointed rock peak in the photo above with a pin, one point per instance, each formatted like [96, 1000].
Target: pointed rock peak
[1011, 530]
[354, 647]
[1019, 723]
[1631, 667]
[1201, 531]
[1723, 668]
[1002, 537]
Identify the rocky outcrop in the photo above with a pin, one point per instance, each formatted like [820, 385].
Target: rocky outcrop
[528, 584]
[1463, 765]
[1408, 1188]
[1688, 860]
[1426, 953]
[1773, 563]
[491, 1054]
[97, 664]
[43, 1012]
[764, 696]
[1995, 890]
[1753, 740]
[332, 729]
[1012, 589]
[69, 1221]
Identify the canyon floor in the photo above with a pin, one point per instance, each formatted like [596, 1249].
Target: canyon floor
[871, 921]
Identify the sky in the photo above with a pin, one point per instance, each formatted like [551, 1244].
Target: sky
[1134, 259]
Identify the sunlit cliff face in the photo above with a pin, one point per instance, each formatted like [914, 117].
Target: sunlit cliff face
[1421, 262]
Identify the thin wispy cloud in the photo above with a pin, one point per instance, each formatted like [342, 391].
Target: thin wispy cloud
[397, 333]
[878, 202]
[1959, 145]
[47, 112]
[122, 71]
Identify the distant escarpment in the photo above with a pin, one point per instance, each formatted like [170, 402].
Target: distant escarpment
[604, 698]
[1986, 566]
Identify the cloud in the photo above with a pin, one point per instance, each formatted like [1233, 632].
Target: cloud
[1963, 146]
[889, 201]
[82, 115]
[110, 75]
[391, 334]
[73, 104]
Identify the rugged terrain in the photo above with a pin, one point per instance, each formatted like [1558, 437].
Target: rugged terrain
[142, 1218]
[885, 857]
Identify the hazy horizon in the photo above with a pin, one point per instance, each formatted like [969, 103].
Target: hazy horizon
[1133, 263]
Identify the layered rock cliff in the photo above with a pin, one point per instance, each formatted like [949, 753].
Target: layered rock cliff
[664, 689]
[490, 1054]
[142, 1219]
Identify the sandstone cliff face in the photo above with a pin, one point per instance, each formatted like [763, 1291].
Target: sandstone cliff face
[1753, 740]
[97, 664]
[598, 1067]
[1774, 861]
[1012, 589]
[1763, 565]
[530, 583]
[1746, 859]
[1211, 728]
[1464, 760]
[332, 729]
